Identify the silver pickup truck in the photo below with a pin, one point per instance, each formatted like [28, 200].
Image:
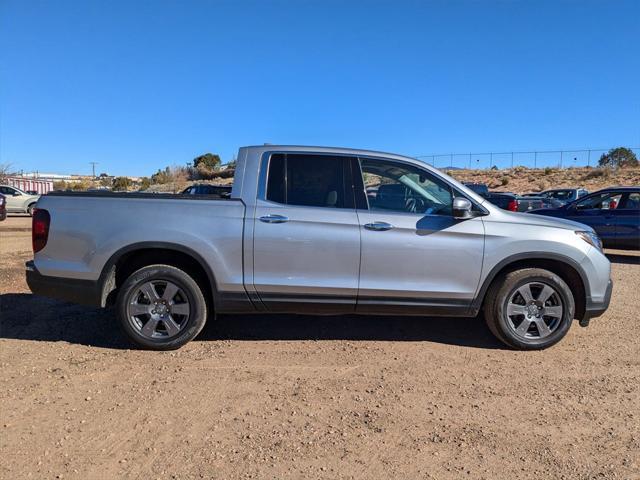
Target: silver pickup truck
[316, 230]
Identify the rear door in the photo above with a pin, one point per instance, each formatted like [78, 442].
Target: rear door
[628, 221]
[416, 258]
[307, 236]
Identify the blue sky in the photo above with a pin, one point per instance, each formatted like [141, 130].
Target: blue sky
[136, 85]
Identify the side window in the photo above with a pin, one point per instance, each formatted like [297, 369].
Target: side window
[399, 187]
[309, 180]
[603, 201]
[633, 201]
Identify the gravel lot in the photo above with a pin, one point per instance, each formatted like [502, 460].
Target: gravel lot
[300, 397]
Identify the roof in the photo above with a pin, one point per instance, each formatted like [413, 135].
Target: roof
[319, 149]
[625, 188]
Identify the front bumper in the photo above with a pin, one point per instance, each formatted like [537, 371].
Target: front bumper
[84, 292]
[595, 309]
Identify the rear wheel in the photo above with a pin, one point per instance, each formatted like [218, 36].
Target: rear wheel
[529, 309]
[161, 307]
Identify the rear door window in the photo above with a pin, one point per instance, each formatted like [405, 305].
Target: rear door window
[310, 180]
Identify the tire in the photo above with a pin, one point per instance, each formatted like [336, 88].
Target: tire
[533, 323]
[161, 307]
[30, 209]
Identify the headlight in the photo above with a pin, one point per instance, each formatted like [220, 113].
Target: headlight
[591, 238]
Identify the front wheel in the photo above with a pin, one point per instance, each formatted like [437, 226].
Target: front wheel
[529, 309]
[161, 307]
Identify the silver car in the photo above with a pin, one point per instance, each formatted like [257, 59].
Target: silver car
[318, 230]
[17, 200]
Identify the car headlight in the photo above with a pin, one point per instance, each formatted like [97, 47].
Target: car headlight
[591, 238]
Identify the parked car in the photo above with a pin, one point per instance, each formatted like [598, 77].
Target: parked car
[17, 200]
[222, 191]
[614, 213]
[3, 207]
[511, 201]
[299, 234]
[563, 195]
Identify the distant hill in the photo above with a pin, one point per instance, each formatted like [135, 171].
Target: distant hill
[524, 180]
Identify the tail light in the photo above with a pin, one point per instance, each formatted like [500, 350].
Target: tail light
[40, 229]
[513, 206]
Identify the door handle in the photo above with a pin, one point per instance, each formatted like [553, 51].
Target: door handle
[378, 226]
[273, 218]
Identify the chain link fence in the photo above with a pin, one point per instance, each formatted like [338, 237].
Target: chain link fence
[534, 159]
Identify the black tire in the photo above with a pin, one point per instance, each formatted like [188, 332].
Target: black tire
[504, 288]
[195, 300]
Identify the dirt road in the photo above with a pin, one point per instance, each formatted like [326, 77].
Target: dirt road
[300, 397]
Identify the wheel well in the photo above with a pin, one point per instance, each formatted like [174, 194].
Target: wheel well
[565, 271]
[134, 260]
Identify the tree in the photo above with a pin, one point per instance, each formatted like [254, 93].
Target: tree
[162, 176]
[145, 183]
[121, 184]
[208, 160]
[5, 171]
[619, 157]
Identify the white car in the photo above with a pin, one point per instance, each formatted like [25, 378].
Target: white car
[17, 200]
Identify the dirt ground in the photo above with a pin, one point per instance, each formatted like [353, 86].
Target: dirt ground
[301, 397]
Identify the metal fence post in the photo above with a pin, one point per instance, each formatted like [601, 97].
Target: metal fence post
[561, 153]
[535, 160]
[588, 158]
[511, 159]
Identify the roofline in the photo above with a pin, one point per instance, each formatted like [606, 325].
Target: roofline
[327, 149]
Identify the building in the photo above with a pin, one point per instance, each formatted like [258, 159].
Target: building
[30, 184]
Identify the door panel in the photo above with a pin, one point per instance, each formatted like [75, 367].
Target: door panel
[312, 257]
[423, 261]
[602, 221]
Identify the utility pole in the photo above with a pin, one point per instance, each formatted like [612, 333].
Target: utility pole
[93, 167]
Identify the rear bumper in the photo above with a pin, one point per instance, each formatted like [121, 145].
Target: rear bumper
[595, 309]
[84, 292]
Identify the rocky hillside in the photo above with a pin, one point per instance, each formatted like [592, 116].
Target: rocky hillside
[524, 180]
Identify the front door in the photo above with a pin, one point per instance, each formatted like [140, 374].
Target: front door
[416, 258]
[306, 235]
[599, 212]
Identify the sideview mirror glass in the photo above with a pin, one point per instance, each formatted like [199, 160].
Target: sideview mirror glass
[461, 208]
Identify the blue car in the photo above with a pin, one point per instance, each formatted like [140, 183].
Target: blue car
[614, 213]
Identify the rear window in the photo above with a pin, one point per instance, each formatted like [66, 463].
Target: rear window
[309, 180]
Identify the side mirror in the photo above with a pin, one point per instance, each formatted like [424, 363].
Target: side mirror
[461, 208]
[16, 194]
